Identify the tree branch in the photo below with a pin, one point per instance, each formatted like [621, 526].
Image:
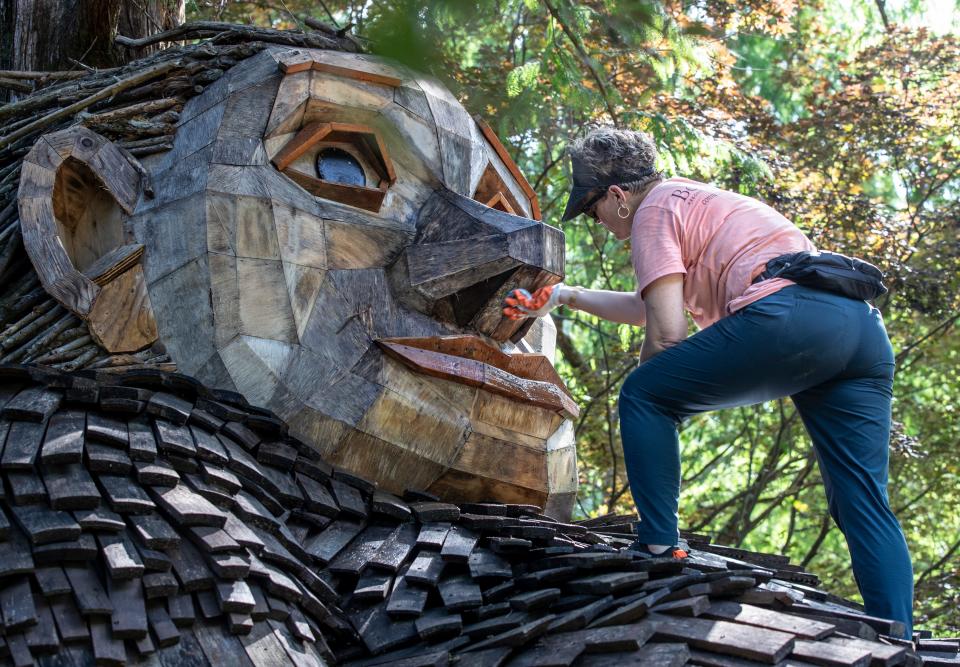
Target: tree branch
[817, 543]
[942, 327]
[585, 59]
[933, 568]
[109, 91]
[882, 8]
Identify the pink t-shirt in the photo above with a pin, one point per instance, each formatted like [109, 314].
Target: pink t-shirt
[720, 240]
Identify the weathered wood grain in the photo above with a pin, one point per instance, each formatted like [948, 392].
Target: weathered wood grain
[43, 525]
[426, 568]
[288, 108]
[406, 600]
[129, 620]
[23, 444]
[63, 440]
[821, 653]
[70, 625]
[501, 151]
[122, 318]
[767, 618]
[764, 645]
[485, 376]
[395, 549]
[90, 596]
[188, 508]
[91, 157]
[34, 404]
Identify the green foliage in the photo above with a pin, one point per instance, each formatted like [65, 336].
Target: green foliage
[522, 77]
[845, 124]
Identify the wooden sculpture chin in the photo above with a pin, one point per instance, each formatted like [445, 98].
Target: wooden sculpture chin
[330, 235]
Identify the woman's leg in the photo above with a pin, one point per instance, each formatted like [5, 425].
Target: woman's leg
[849, 421]
[748, 357]
[796, 342]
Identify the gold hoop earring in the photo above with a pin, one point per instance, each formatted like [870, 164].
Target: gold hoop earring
[626, 212]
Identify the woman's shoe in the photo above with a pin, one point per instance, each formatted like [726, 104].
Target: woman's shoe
[675, 551]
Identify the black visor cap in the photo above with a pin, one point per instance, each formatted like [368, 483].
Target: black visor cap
[585, 182]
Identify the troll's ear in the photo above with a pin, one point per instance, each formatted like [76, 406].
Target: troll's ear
[76, 190]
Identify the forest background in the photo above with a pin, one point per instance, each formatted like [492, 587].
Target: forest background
[842, 114]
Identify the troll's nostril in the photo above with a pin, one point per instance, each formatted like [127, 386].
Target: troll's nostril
[468, 302]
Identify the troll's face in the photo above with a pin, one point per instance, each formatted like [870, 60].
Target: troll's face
[330, 235]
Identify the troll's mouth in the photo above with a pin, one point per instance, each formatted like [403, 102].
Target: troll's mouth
[527, 378]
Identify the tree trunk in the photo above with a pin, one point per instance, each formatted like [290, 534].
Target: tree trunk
[52, 34]
[140, 18]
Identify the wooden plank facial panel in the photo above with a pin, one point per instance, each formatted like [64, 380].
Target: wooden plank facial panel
[239, 151]
[301, 236]
[562, 470]
[459, 485]
[502, 460]
[506, 413]
[256, 234]
[174, 235]
[224, 297]
[412, 415]
[122, 318]
[356, 246]
[303, 285]
[189, 340]
[264, 306]
[393, 466]
[291, 101]
[248, 371]
[330, 89]
[221, 223]
[248, 110]
[504, 156]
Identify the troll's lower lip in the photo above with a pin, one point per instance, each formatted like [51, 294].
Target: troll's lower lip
[528, 378]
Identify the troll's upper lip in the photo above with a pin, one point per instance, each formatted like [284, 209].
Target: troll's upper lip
[529, 378]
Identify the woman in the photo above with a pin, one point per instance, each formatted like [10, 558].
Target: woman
[701, 249]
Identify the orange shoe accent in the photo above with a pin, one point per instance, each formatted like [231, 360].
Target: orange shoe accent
[679, 554]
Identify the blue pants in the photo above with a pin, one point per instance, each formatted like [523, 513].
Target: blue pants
[831, 355]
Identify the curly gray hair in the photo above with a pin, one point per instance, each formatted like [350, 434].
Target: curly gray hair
[607, 150]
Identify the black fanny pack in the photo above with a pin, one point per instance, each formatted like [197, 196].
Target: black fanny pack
[828, 271]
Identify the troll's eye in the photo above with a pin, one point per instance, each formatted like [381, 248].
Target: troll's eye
[342, 162]
[338, 166]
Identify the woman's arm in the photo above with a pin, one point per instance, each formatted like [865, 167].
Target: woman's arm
[666, 323]
[623, 307]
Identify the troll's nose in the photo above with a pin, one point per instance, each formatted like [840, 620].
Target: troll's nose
[467, 257]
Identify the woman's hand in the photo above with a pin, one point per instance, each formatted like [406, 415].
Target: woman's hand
[521, 304]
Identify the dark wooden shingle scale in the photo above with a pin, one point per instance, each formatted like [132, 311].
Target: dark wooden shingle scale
[255, 531]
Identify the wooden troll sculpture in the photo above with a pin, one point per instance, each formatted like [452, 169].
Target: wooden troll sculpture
[330, 236]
